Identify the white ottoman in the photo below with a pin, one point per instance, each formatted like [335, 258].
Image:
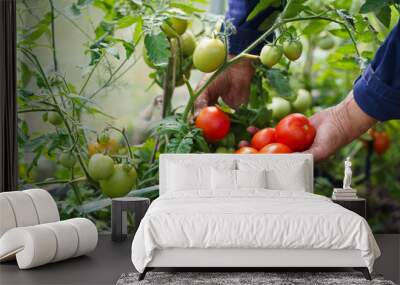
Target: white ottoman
[31, 233]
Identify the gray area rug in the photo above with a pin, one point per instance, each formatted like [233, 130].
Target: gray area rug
[243, 278]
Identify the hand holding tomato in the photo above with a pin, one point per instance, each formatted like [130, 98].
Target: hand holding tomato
[338, 126]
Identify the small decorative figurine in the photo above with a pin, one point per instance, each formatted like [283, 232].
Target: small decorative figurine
[345, 193]
[347, 174]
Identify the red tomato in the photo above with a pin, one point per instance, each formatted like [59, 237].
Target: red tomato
[214, 123]
[246, 150]
[275, 148]
[381, 142]
[263, 137]
[295, 131]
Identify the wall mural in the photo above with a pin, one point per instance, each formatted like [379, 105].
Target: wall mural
[105, 86]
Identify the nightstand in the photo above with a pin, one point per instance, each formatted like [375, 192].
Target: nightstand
[358, 206]
[119, 208]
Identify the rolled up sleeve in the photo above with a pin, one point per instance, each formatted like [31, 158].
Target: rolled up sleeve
[377, 90]
[247, 31]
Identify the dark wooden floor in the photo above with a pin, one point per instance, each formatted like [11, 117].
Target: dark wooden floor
[110, 260]
[103, 266]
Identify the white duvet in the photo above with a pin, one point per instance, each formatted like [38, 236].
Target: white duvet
[250, 219]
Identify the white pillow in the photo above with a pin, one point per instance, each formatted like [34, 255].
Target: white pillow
[291, 179]
[251, 178]
[223, 179]
[187, 175]
[281, 174]
[183, 177]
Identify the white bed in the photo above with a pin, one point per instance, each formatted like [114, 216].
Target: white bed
[280, 225]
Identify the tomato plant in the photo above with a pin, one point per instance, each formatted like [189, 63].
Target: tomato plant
[310, 64]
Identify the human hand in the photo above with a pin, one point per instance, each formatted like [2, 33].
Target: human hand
[233, 86]
[337, 127]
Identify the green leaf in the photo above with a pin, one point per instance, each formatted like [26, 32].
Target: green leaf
[293, 8]
[126, 21]
[268, 22]
[262, 117]
[185, 145]
[315, 27]
[129, 48]
[41, 28]
[157, 49]
[384, 15]
[138, 31]
[373, 6]
[279, 81]
[261, 6]
[340, 33]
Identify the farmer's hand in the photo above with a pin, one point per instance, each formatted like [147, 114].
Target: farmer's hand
[233, 86]
[338, 126]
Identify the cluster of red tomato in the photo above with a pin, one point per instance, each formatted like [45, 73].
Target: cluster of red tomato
[380, 141]
[293, 133]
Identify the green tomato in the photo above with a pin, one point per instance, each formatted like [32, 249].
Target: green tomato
[209, 55]
[292, 49]
[188, 43]
[119, 183]
[326, 42]
[103, 138]
[280, 107]
[54, 118]
[270, 55]
[100, 166]
[303, 101]
[67, 160]
[175, 25]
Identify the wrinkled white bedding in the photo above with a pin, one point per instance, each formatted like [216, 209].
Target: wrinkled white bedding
[250, 219]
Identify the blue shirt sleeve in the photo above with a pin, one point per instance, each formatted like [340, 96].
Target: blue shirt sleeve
[246, 31]
[377, 90]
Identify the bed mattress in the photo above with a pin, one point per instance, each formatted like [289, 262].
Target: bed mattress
[250, 219]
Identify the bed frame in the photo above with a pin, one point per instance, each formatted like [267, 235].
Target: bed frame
[247, 259]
